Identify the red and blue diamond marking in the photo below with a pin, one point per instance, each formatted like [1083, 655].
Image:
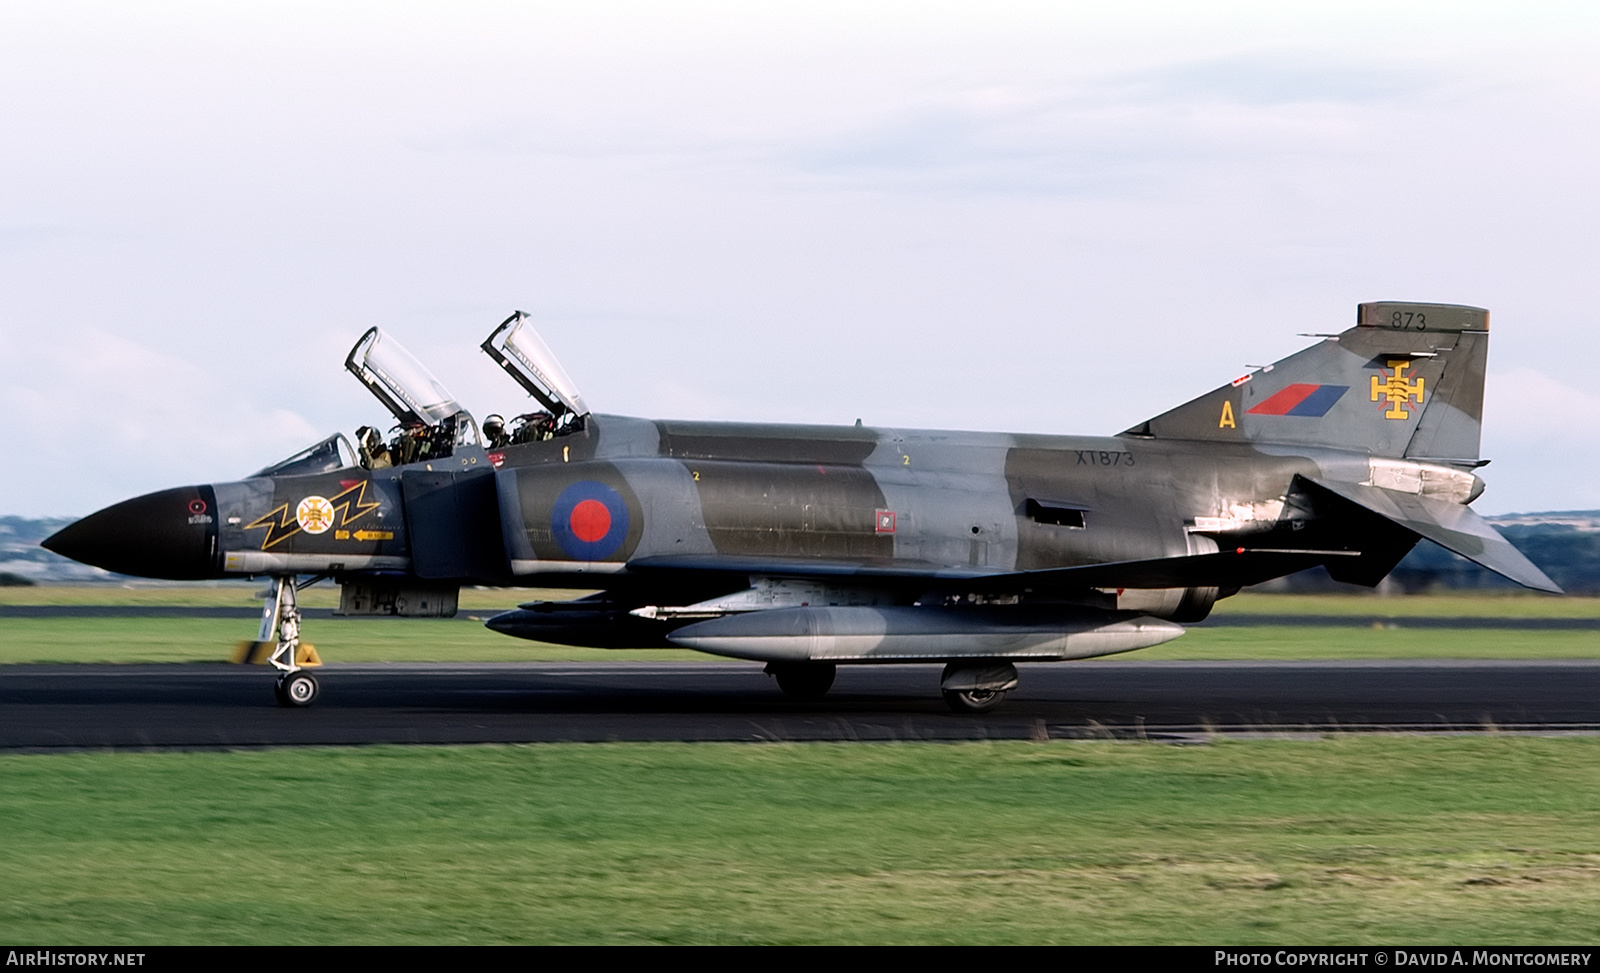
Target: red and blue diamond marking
[589, 520]
[1300, 400]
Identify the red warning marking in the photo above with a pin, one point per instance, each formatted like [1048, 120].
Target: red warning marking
[197, 506]
[590, 521]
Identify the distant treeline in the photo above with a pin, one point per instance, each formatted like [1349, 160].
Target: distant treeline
[1570, 555]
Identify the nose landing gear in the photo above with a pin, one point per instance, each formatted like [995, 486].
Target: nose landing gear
[280, 618]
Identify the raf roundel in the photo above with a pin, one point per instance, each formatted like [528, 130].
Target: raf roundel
[589, 520]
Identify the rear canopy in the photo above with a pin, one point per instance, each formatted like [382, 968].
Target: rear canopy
[516, 347]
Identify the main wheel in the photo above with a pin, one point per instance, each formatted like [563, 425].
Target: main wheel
[298, 689]
[803, 680]
[973, 700]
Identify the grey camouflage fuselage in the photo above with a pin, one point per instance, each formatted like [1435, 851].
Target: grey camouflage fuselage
[855, 543]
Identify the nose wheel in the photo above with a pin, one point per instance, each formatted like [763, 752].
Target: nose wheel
[296, 689]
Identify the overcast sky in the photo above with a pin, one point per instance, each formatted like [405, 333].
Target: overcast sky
[1026, 217]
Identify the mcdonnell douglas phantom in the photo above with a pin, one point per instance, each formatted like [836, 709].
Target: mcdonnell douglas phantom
[811, 547]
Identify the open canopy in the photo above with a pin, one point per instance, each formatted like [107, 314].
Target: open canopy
[403, 384]
[517, 348]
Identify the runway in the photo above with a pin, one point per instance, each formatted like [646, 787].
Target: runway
[215, 705]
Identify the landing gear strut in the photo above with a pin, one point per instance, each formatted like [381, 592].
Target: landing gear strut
[803, 680]
[280, 619]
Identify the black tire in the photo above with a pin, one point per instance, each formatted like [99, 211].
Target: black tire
[298, 689]
[804, 680]
[974, 700]
[277, 693]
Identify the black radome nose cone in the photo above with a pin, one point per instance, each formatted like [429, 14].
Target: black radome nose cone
[171, 534]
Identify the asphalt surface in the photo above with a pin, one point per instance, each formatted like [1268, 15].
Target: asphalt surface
[217, 705]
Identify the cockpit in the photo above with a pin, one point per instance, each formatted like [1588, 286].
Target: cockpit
[430, 423]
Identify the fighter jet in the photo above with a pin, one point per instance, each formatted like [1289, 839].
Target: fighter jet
[811, 547]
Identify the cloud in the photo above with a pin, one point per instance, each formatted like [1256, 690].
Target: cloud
[1118, 130]
[1527, 406]
[15, 238]
[102, 406]
[1544, 437]
[1274, 78]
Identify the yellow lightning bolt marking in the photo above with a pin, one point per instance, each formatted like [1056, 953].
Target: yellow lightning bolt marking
[359, 500]
[279, 528]
[281, 525]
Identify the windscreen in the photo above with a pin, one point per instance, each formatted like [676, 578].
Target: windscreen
[333, 453]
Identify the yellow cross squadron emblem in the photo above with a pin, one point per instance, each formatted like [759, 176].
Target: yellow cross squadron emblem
[1396, 390]
[314, 515]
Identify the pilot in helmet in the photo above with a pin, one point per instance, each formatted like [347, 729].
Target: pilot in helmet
[374, 454]
[494, 430]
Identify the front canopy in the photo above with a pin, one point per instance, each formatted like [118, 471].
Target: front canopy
[403, 384]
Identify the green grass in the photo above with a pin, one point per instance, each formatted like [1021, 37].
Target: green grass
[1397, 642]
[457, 640]
[337, 640]
[1364, 840]
[460, 640]
[243, 595]
[1511, 604]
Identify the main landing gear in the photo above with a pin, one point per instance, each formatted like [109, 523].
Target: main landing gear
[280, 620]
[803, 680]
[979, 688]
[967, 687]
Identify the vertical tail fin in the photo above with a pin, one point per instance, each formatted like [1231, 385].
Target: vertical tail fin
[1405, 382]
